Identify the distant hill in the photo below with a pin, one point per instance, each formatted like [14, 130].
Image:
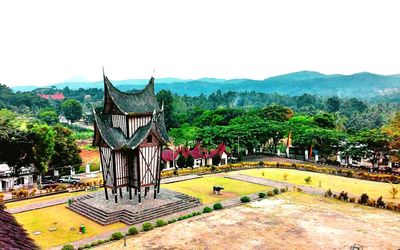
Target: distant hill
[361, 85]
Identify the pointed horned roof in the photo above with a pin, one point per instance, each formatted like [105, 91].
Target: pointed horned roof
[138, 102]
[115, 138]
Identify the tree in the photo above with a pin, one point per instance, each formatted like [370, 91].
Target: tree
[165, 96]
[333, 104]
[48, 116]
[66, 152]
[393, 190]
[372, 144]
[216, 160]
[72, 110]
[277, 112]
[189, 161]
[43, 146]
[181, 161]
[393, 131]
[184, 135]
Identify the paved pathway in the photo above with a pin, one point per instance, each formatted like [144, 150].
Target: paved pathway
[179, 178]
[41, 204]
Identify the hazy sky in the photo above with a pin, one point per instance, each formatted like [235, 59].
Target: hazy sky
[44, 42]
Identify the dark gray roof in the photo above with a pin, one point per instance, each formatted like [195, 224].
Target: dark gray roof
[116, 139]
[139, 102]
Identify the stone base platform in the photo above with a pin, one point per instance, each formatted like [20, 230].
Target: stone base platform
[105, 212]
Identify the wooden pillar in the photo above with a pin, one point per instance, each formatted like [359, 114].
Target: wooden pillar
[129, 157]
[104, 168]
[135, 191]
[120, 192]
[159, 172]
[138, 175]
[115, 177]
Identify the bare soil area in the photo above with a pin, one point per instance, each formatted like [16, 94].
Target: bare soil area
[288, 221]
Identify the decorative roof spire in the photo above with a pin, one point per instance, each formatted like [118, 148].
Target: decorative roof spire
[162, 106]
[154, 115]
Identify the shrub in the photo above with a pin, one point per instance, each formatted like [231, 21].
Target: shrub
[87, 246]
[198, 213]
[99, 242]
[116, 236]
[308, 180]
[261, 195]
[189, 216]
[217, 206]
[364, 199]
[270, 193]
[371, 203]
[133, 231]
[147, 226]
[276, 191]
[245, 199]
[171, 221]
[68, 247]
[194, 213]
[161, 223]
[344, 196]
[285, 176]
[283, 190]
[328, 193]
[93, 244]
[380, 203]
[207, 210]
[352, 199]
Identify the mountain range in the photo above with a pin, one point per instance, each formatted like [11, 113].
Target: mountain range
[361, 85]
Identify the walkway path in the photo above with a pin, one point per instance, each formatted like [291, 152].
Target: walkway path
[179, 178]
[42, 204]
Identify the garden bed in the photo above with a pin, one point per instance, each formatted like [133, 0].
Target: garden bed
[35, 196]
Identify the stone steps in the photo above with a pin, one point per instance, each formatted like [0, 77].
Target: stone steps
[130, 218]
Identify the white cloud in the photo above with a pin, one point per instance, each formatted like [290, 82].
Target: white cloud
[44, 42]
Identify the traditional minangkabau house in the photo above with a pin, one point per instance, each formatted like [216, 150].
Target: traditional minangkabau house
[201, 156]
[12, 235]
[130, 133]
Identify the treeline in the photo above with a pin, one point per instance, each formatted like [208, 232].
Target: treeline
[30, 142]
[321, 125]
[356, 114]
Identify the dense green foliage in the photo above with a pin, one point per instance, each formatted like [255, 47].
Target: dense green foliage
[72, 110]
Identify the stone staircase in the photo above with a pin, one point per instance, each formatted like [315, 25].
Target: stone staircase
[129, 217]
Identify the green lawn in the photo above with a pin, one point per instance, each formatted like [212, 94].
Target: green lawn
[66, 221]
[335, 183]
[202, 188]
[45, 198]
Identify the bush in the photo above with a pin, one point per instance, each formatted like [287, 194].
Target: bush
[328, 193]
[116, 236]
[207, 210]
[171, 221]
[194, 213]
[308, 180]
[380, 203]
[245, 199]
[99, 242]
[87, 246]
[147, 226]
[189, 216]
[93, 244]
[198, 213]
[161, 223]
[133, 231]
[283, 190]
[276, 191]
[261, 195]
[270, 193]
[68, 247]
[217, 206]
[364, 199]
[344, 196]
[352, 199]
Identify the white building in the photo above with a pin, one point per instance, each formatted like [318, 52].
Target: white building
[8, 180]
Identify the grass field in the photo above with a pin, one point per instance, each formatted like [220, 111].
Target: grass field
[335, 183]
[42, 199]
[66, 222]
[202, 188]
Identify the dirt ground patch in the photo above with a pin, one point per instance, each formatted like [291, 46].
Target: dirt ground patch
[288, 221]
[223, 195]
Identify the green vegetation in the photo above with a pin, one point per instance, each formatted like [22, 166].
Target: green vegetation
[133, 230]
[245, 199]
[116, 236]
[72, 110]
[207, 210]
[217, 206]
[147, 226]
[202, 188]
